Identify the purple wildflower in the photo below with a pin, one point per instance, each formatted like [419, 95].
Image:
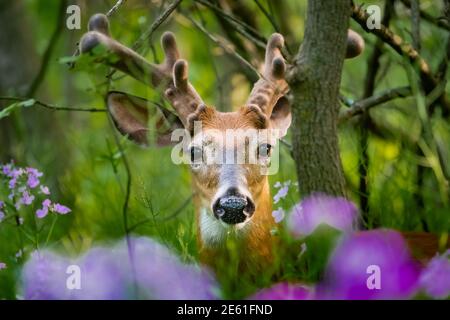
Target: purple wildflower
[42, 213]
[161, 275]
[319, 208]
[44, 276]
[27, 198]
[14, 175]
[33, 177]
[12, 183]
[2, 265]
[435, 279]
[34, 172]
[284, 291]
[108, 274]
[45, 190]
[278, 215]
[373, 264]
[6, 169]
[282, 193]
[32, 181]
[58, 208]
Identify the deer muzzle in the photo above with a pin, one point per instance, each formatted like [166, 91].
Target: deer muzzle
[233, 207]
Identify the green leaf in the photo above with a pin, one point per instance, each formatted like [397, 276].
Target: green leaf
[28, 103]
[7, 111]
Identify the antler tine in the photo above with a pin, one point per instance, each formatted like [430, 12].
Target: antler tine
[171, 76]
[171, 54]
[272, 86]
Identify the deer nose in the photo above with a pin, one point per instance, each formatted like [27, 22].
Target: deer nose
[233, 209]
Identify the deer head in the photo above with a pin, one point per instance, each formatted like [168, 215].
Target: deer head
[229, 193]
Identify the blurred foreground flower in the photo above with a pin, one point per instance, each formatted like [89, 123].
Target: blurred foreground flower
[435, 278]
[370, 265]
[318, 208]
[284, 291]
[106, 273]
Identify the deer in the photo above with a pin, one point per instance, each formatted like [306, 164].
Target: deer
[232, 200]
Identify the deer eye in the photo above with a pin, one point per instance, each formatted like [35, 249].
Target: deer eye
[196, 155]
[264, 150]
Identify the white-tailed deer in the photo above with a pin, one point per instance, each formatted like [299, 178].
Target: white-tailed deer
[231, 199]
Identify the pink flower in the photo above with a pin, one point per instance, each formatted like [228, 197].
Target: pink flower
[372, 264]
[282, 193]
[45, 190]
[58, 208]
[278, 215]
[42, 213]
[435, 279]
[318, 208]
[108, 273]
[27, 198]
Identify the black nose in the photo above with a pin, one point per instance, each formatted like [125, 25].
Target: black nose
[233, 208]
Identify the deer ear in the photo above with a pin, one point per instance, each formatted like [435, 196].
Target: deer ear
[281, 116]
[132, 115]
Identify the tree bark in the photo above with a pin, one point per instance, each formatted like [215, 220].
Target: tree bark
[314, 82]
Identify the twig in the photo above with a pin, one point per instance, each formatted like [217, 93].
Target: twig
[219, 82]
[51, 106]
[428, 17]
[404, 49]
[115, 7]
[155, 25]
[249, 32]
[415, 24]
[226, 47]
[48, 51]
[268, 16]
[163, 219]
[363, 105]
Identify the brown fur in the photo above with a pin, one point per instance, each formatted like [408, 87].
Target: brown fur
[255, 246]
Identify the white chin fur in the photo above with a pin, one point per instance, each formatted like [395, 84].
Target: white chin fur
[214, 231]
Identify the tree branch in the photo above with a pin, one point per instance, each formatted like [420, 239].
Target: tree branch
[48, 51]
[226, 47]
[403, 48]
[362, 106]
[441, 23]
[51, 106]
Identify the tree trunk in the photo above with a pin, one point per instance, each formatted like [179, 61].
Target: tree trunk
[314, 82]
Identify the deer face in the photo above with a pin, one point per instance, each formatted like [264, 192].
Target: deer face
[230, 159]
